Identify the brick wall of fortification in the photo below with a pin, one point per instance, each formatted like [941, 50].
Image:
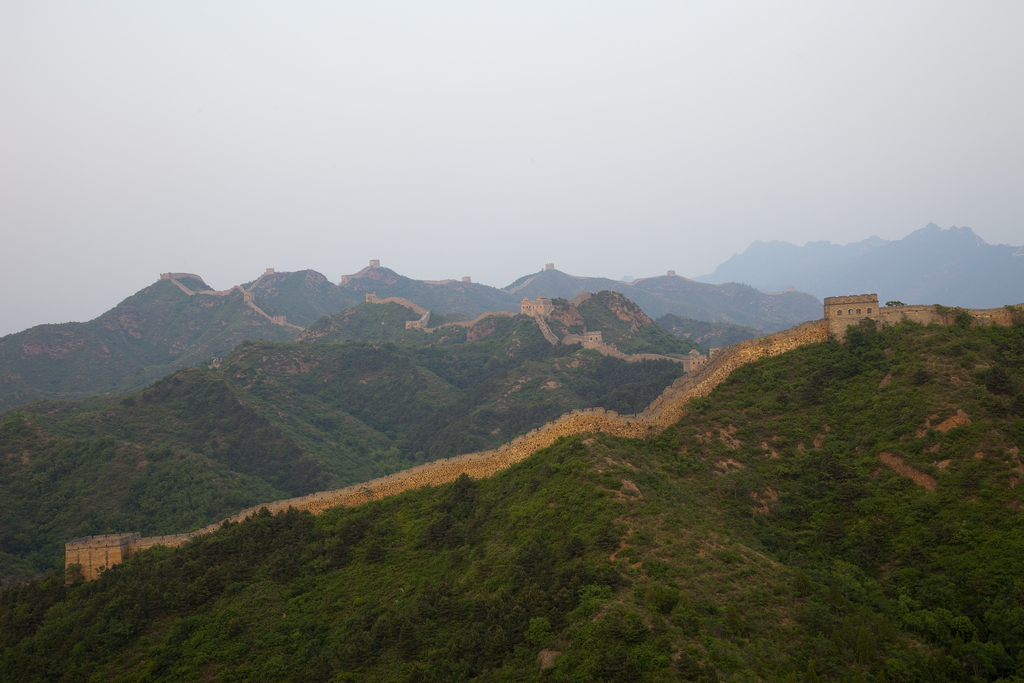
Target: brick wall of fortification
[666, 410]
[837, 311]
[474, 321]
[372, 298]
[96, 553]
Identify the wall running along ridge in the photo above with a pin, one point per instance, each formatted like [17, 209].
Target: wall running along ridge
[94, 553]
[246, 295]
[666, 410]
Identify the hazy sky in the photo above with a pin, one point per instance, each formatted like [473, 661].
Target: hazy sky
[485, 139]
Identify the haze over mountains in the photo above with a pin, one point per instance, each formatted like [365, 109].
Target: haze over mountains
[954, 267]
[181, 321]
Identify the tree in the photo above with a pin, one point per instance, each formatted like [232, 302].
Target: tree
[539, 631]
[865, 649]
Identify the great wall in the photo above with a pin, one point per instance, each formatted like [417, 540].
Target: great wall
[247, 296]
[95, 553]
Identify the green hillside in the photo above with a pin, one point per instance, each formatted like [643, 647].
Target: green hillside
[385, 322]
[276, 420]
[629, 329]
[303, 297]
[621, 322]
[465, 298]
[705, 333]
[147, 336]
[771, 535]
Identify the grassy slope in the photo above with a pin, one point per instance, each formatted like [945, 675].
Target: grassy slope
[707, 334]
[730, 563]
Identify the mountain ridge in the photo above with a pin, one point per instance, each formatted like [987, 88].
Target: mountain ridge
[171, 324]
[932, 264]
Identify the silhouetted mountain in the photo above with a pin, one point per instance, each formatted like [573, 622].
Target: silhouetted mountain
[954, 267]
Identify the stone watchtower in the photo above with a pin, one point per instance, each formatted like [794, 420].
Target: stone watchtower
[541, 306]
[97, 553]
[843, 311]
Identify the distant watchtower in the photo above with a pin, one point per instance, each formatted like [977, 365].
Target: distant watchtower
[541, 306]
[549, 266]
[374, 263]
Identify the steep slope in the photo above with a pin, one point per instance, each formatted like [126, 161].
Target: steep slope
[447, 296]
[182, 321]
[953, 266]
[842, 510]
[276, 420]
[621, 323]
[657, 296]
[303, 296]
[384, 322]
[146, 336]
[705, 333]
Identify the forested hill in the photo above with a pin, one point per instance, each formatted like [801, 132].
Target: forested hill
[839, 512]
[147, 336]
[277, 420]
[162, 327]
[706, 333]
[729, 303]
[620, 321]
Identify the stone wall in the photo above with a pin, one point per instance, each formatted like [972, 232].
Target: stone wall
[372, 298]
[666, 410]
[474, 321]
[843, 311]
[540, 307]
[105, 551]
[96, 553]
[421, 324]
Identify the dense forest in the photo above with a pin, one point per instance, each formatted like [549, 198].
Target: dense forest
[840, 512]
[277, 420]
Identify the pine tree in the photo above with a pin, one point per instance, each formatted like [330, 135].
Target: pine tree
[865, 649]
[811, 676]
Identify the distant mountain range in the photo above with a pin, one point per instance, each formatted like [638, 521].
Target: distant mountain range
[953, 267]
[179, 321]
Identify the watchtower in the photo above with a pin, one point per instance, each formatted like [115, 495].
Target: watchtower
[541, 306]
[96, 553]
[851, 307]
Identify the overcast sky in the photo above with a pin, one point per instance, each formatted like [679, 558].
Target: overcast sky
[485, 139]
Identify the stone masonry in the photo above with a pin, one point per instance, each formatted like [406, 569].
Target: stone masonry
[97, 552]
[843, 311]
[539, 307]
